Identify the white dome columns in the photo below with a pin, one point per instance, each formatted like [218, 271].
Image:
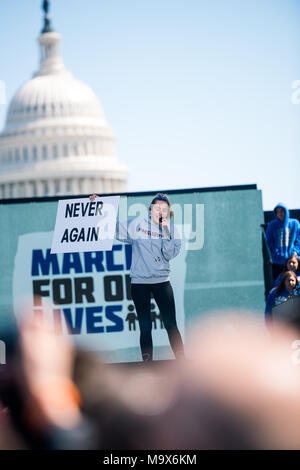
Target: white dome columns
[62, 186]
[56, 139]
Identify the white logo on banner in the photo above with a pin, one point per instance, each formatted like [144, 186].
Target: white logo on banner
[89, 293]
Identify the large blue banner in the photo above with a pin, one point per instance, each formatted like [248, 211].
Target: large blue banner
[87, 295]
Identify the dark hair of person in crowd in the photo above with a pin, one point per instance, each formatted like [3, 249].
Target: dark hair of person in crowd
[287, 266]
[140, 409]
[282, 283]
[225, 398]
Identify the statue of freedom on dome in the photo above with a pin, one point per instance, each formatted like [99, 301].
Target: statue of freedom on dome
[46, 6]
[47, 22]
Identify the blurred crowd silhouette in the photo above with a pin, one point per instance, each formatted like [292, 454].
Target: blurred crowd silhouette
[238, 389]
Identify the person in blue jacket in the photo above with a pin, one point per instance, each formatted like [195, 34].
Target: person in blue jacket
[287, 287]
[291, 264]
[283, 238]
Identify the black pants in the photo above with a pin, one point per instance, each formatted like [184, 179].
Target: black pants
[164, 297]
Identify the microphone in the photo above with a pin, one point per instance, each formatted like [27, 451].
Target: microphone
[164, 228]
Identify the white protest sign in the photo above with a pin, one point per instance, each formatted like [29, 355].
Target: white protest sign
[82, 225]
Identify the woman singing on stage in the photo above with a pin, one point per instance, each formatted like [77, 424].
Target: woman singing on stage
[154, 243]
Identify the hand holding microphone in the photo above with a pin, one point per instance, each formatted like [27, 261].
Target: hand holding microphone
[165, 224]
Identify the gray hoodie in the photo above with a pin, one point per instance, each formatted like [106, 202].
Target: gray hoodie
[152, 248]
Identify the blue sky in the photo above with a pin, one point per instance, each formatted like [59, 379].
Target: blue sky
[198, 93]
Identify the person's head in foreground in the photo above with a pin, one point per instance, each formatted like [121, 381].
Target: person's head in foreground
[239, 389]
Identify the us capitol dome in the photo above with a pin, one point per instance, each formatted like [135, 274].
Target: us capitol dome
[56, 139]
